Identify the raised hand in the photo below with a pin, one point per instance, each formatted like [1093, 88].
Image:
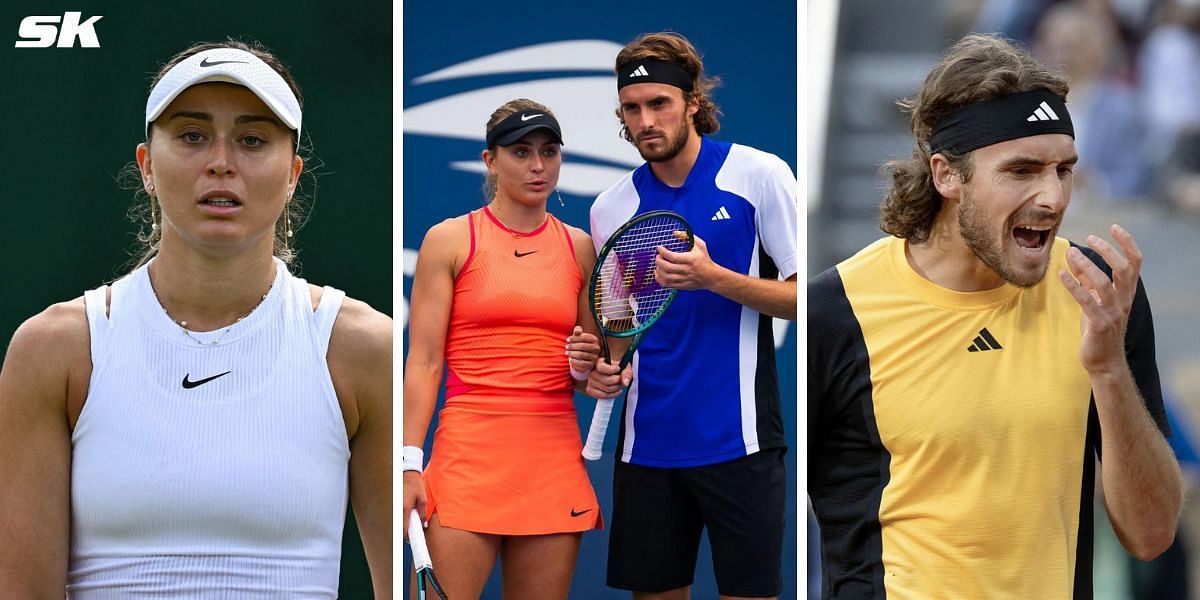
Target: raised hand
[1106, 302]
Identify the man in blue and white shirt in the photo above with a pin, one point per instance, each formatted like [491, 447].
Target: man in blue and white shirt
[701, 442]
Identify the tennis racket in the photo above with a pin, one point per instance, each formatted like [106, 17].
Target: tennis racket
[420, 554]
[624, 296]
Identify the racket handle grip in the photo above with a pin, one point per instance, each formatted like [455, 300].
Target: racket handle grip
[595, 438]
[416, 540]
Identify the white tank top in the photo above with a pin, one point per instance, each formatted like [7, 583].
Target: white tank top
[208, 471]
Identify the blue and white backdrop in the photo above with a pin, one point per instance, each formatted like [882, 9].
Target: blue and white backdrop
[462, 60]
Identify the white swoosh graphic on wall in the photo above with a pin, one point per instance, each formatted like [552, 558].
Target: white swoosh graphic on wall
[584, 106]
[573, 55]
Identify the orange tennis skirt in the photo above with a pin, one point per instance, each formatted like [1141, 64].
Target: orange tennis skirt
[510, 466]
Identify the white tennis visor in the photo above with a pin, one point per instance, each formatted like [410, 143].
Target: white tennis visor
[228, 65]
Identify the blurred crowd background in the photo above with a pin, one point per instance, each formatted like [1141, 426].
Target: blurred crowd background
[1134, 70]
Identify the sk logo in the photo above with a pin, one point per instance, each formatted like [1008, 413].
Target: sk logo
[41, 31]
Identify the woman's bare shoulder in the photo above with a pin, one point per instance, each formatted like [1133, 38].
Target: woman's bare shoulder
[50, 355]
[57, 330]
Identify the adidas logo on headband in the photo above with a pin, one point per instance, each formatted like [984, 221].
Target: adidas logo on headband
[1043, 113]
[1000, 119]
[650, 70]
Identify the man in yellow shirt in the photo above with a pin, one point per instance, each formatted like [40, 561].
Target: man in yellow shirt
[960, 398]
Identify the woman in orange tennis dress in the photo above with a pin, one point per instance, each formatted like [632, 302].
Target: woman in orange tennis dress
[496, 294]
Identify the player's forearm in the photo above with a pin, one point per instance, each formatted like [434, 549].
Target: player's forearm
[20, 586]
[767, 296]
[33, 561]
[371, 494]
[378, 552]
[35, 474]
[421, 381]
[1142, 482]
[380, 565]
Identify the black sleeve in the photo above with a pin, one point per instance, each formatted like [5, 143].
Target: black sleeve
[839, 373]
[827, 312]
[1139, 348]
[848, 465]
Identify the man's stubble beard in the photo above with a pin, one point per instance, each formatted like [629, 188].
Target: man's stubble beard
[682, 135]
[972, 226]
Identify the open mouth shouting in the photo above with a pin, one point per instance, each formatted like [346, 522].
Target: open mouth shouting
[1032, 237]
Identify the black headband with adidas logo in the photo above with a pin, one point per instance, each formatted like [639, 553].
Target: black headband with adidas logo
[654, 71]
[1019, 115]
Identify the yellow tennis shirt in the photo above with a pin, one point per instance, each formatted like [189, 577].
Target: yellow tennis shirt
[952, 436]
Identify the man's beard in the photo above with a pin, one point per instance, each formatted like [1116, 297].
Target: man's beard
[681, 139]
[972, 226]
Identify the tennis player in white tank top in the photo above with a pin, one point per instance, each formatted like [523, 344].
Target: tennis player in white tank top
[197, 428]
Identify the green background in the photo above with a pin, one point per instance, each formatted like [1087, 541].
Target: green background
[71, 118]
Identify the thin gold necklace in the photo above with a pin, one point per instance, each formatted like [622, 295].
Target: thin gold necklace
[516, 234]
[183, 324]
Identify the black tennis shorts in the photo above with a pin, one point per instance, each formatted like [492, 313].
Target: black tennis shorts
[658, 515]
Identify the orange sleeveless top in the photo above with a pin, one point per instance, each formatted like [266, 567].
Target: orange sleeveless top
[515, 303]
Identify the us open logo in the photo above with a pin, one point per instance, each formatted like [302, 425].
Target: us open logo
[45, 31]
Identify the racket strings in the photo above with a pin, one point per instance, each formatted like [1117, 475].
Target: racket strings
[628, 295]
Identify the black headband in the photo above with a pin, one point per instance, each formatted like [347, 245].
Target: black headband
[1019, 115]
[519, 124]
[654, 71]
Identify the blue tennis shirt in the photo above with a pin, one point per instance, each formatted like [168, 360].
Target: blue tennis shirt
[705, 389]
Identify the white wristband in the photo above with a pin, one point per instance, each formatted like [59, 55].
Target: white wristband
[579, 376]
[412, 458]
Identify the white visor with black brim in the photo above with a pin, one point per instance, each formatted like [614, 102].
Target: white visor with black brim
[227, 65]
